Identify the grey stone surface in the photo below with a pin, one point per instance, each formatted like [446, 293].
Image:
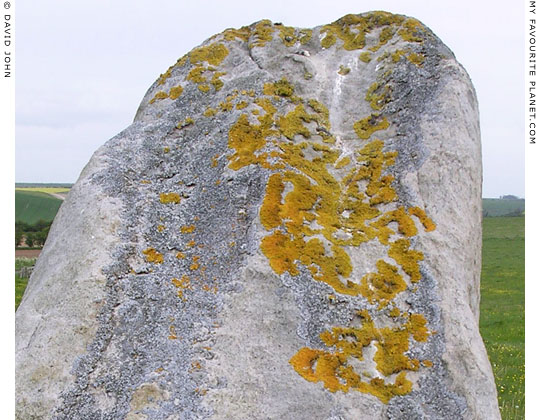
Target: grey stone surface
[243, 252]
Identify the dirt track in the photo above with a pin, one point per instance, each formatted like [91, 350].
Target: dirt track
[27, 253]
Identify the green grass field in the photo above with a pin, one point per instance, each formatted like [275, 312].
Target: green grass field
[30, 206]
[20, 283]
[502, 309]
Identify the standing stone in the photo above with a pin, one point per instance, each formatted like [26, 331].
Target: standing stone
[290, 229]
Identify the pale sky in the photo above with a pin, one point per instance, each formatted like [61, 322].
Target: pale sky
[82, 69]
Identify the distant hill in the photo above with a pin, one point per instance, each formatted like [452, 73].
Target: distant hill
[31, 206]
[496, 207]
[42, 185]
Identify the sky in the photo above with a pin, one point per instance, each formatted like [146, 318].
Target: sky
[83, 67]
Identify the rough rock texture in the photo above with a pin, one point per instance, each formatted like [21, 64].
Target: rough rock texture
[290, 229]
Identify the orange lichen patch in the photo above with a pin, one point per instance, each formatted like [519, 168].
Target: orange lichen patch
[367, 126]
[161, 228]
[182, 284]
[180, 255]
[187, 229]
[191, 244]
[153, 256]
[427, 363]
[424, 219]
[269, 213]
[337, 372]
[384, 285]
[313, 216]
[406, 258]
[417, 327]
[172, 197]
[195, 265]
[145, 181]
[405, 224]
[215, 161]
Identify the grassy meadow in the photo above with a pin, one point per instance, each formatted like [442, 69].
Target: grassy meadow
[20, 283]
[31, 206]
[502, 309]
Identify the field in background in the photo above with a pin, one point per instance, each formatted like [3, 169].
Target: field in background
[496, 207]
[502, 309]
[46, 190]
[20, 283]
[31, 206]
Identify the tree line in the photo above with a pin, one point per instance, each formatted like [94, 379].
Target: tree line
[34, 235]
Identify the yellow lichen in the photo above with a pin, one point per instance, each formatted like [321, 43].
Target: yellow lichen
[337, 372]
[412, 30]
[187, 229]
[153, 256]
[172, 197]
[210, 112]
[159, 95]
[342, 162]
[367, 126]
[344, 70]
[313, 216]
[365, 57]
[417, 59]
[378, 96]
[280, 88]
[213, 54]
[175, 92]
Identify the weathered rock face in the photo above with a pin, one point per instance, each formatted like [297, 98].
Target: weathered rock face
[289, 229]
